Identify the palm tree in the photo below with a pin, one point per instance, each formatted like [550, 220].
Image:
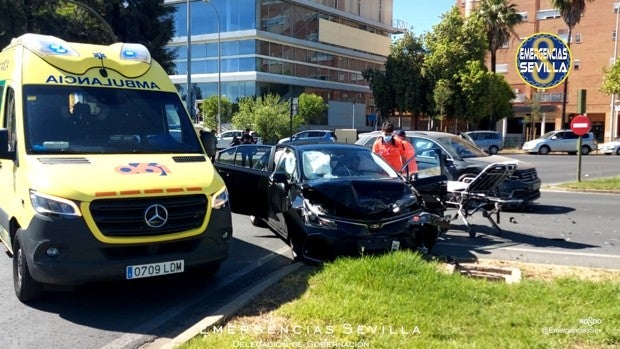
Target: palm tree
[571, 11]
[499, 18]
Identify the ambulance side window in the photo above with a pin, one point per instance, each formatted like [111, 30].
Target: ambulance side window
[9, 118]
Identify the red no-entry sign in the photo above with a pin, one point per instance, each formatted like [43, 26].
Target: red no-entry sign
[580, 125]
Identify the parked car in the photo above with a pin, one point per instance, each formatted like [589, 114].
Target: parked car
[331, 199]
[610, 147]
[464, 159]
[309, 135]
[224, 139]
[489, 141]
[560, 141]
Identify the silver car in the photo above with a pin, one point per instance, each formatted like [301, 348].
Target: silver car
[560, 141]
[489, 141]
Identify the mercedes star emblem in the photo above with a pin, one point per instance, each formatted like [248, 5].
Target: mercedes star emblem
[155, 216]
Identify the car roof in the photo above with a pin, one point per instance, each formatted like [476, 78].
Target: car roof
[305, 145]
[431, 134]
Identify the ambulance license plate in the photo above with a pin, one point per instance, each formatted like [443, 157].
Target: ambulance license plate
[154, 269]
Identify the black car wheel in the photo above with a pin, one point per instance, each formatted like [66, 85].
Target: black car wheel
[493, 150]
[544, 150]
[26, 288]
[618, 151]
[585, 150]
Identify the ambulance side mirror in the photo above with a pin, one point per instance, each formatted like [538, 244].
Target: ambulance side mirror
[4, 145]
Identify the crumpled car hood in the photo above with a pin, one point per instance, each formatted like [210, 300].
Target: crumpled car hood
[361, 199]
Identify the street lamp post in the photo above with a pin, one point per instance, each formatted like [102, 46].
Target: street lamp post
[613, 114]
[107, 27]
[219, 70]
[188, 97]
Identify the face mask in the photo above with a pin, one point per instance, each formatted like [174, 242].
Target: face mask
[387, 138]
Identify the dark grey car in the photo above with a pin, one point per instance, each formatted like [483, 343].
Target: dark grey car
[464, 159]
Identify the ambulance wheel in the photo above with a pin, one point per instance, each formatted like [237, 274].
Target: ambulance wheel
[26, 288]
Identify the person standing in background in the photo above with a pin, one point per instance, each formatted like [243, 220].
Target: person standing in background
[412, 166]
[390, 148]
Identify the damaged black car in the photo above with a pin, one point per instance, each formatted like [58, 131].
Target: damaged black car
[332, 199]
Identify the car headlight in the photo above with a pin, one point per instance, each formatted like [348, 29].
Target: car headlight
[48, 205]
[220, 199]
[314, 216]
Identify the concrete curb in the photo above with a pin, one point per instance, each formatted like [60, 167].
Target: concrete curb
[224, 312]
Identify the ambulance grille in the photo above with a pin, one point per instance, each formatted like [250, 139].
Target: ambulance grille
[128, 217]
[189, 158]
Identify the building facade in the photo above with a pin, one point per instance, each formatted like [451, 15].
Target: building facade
[286, 47]
[593, 45]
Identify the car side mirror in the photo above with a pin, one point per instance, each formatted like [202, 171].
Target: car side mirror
[209, 142]
[4, 145]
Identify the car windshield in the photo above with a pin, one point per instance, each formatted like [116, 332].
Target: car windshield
[89, 120]
[343, 163]
[460, 147]
[548, 135]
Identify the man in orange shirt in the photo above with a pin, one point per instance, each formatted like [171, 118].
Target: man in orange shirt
[390, 148]
[412, 167]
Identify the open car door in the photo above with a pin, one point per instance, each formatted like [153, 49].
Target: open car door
[246, 170]
[431, 180]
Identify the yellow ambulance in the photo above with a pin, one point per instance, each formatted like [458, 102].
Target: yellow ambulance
[102, 175]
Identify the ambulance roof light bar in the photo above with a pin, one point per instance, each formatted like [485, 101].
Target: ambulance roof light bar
[135, 52]
[46, 45]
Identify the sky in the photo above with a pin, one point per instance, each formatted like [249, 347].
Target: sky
[421, 14]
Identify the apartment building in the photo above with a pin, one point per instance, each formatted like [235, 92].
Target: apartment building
[594, 46]
[286, 47]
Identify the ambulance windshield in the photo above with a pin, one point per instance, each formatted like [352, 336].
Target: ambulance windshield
[97, 120]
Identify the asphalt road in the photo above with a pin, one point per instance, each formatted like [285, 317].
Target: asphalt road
[560, 168]
[561, 228]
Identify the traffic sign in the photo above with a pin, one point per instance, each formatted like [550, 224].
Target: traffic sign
[580, 125]
[543, 60]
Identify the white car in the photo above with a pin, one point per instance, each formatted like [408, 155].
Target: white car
[224, 139]
[560, 141]
[610, 148]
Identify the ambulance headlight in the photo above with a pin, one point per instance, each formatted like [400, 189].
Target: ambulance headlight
[220, 199]
[48, 205]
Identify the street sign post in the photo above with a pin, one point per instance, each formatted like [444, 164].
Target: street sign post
[580, 125]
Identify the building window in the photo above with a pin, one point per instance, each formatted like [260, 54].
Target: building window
[547, 14]
[613, 35]
[616, 7]
[523, 16]
[563, 34]
[501, 68]
[576, 64]
[578, 38]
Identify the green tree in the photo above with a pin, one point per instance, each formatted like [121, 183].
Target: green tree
[382, 91]
[452, 45]
[209, 111]
[611, 79]
[268, 115]
[312, 108]
[532, 118]
[571, 12]
[148, 22]
[499, 17]
[404, 71]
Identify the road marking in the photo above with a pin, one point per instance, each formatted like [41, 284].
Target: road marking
[140, 332]
[601, 255]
